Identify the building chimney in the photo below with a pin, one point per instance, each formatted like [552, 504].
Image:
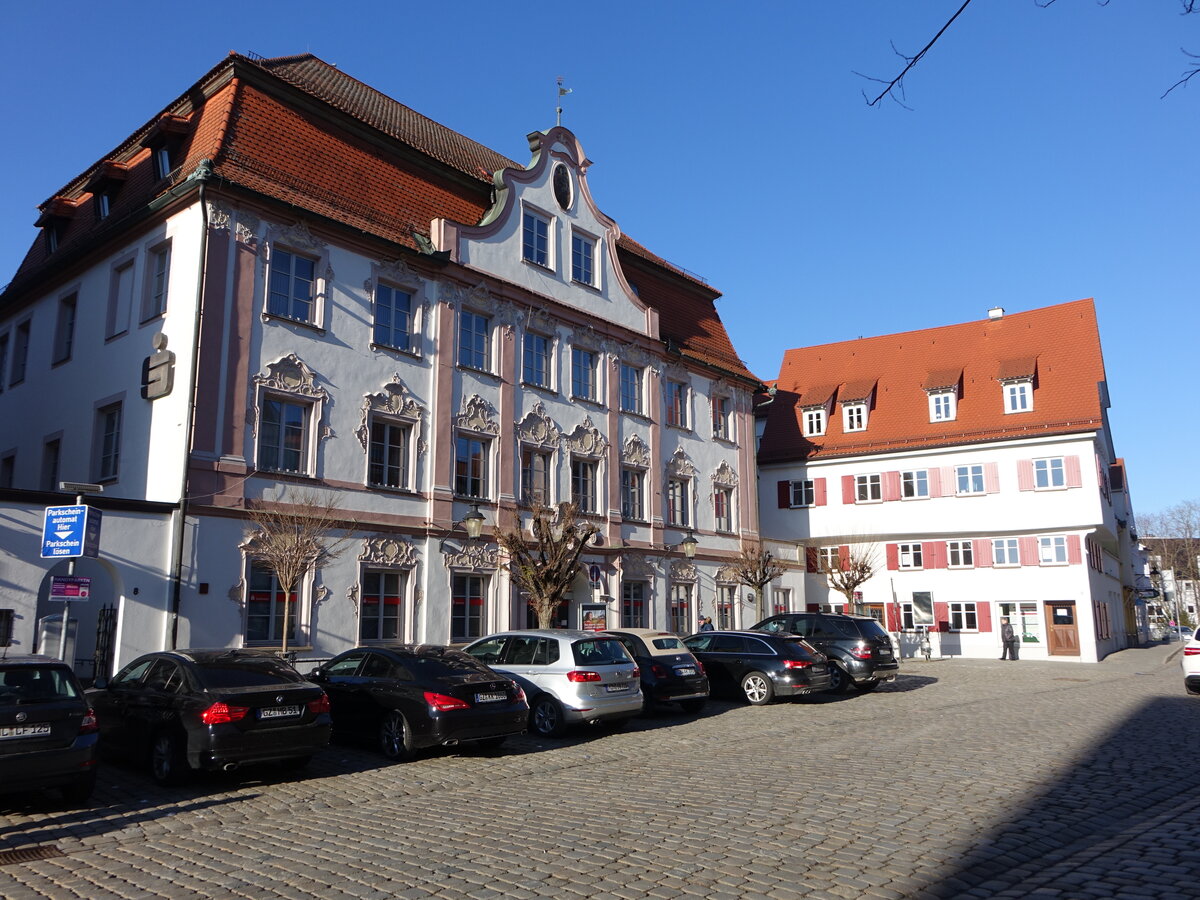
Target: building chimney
[996, 312]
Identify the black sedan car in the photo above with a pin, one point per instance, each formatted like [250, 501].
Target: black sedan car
[670, 674]
[859, 651]
[760, 667]
[210, 709]
[412, 696]
[47, 729]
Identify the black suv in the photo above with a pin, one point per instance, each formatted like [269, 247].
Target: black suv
[860, 652]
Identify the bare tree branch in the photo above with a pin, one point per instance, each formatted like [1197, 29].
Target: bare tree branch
[912, 61]
[1187, 75]
[546, 567]
[848, 573]
[755, 567]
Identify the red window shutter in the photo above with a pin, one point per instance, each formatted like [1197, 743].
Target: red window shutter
[1025, 474]
[983, 616]
[1074, 553]
[982, 551]
[1029, 551]
[991, 477]
[949, 481]
[893, 557]
[1074, 474]
[935, 482]
[941, 616]
[891, 485]
[811, 562]
[844, 556]
[785, 494]
[929, 555]
[847, 488]
[820, 494]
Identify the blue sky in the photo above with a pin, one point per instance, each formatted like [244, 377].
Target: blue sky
[1036, 164]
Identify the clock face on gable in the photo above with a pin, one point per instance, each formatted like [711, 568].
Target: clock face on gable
[562, 186]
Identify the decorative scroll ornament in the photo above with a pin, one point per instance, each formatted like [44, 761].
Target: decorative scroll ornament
[587, 336]
[394, 400]
[586, 439]
[456, 296]
[675, 372]
[635, 565]
[290, 375]
[540, 320]
[683, 570]
[397, 271]
[632, 355]
[636, 452]
[477, 415]
[219, 216]
[385, 550]
[725, 476]
[680, 466]
[726, 575]
[352, 596]
[237, 593]
[472, 556]
[297, 236]
[538, 428]
[321, 594]
[247, 227]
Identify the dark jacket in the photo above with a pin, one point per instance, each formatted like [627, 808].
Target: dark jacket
[1007, 633]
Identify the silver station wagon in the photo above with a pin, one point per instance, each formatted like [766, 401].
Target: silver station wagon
[570, 677]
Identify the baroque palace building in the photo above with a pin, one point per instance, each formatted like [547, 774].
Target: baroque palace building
[287, 283]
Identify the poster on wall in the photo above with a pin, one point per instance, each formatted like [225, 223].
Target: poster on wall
[594, 617]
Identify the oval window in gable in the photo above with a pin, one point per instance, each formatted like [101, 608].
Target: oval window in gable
[562, 186]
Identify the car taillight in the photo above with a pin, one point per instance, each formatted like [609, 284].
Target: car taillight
[89, 724]
[219, 713]
[637, 673]
[577, 676]
[320, 705]
[1191, 651]
[658, 671]
[796, 663]
[520, 693]
[862, 651]
[442, 702]
[700, 667]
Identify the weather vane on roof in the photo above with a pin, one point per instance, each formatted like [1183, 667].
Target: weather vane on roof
[562, 92]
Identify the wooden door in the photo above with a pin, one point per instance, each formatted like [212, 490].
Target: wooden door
[1061, 630]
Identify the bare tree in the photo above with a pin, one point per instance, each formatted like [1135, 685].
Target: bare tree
[291, 538]
[755, 567]
[1172, 538]
[546, 566]
[851, 570]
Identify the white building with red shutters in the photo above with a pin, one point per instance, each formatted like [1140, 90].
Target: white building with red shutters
[973, 465]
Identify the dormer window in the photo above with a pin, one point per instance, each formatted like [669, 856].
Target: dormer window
[162, 161]
[814, 422]
[943, 406]
[1018, 396]
[164, 141]
[854, 417]
[56, 216]
[535, 242]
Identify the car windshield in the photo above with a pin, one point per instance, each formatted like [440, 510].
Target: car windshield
[36, 684]
[441, 666]
[599, 652]
[246, 673]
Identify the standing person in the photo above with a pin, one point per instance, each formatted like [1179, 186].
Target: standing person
[1008, 637]
[706, 624]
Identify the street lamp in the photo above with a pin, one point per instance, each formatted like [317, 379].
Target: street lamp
[472, 524]
[689, 544]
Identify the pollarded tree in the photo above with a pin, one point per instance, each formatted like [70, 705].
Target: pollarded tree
[545, 563]
[755, 567]
[850, 569]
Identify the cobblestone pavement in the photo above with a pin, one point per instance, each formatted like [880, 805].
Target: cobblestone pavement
[964, 778]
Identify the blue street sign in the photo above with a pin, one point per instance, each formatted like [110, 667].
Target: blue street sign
[70, 531]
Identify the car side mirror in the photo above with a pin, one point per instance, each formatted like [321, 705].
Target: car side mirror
[100, 682]
[317, 674]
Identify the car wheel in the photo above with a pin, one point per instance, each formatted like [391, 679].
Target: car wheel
[395, 737]
[546, 717]
[167, 762]
[78, 792]
[758, 689]
[692, 706]
[865, 687]
[838, 679]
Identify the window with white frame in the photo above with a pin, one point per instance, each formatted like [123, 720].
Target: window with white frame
[583, 485]
[681, 608]
[158, 270]
[633, 492]
[726, 599]
[583, 259]
[1052, 550]
[535, 360]
[633, 604]
[1018, 396]
[960, 554]
[631, 389]
[471, 466]
[474, 341]
[292, 288]
[723, 508]
[804, 493]
[389, 454]
[970, 480]
[1049, 473]
[914, 485]
[1006, 552]
[963, 617]
[265, 607]
[722, 418]
[678, 502]
[467, 604]
[535, 239]
[120, 299]
[781, 601]
[910, 556]
[535, 477]
[64, 329]
[854, 417]
[381, 610]
[868, 488]
[583, 374]
[108, 442]
[814, 422]
[677, 404]
[284, 435]
[162, 161]
[829, 559]
[943, 406]
[393, 317]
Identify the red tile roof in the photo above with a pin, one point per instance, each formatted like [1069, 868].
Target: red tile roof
[1063, 341]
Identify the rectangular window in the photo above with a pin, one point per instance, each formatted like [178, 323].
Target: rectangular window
[108, 429]
[723, 509]
[726, 596]
[677, 404]
[535, 477]
[854, 417]
[631, 389]
[393, 317]
[583, 374]
[1018, 397]
[120, 301]
[1006, 552]
[535, 242]
[829, 559]
[681, 608]
[292, 292]
[466, 607]
[677, 503]
[867, 488]
[389, 453]
[3, 360]
[20, 360]
[963, 617]
[814, 422]
[960, 554]
[535, 362]
[1049, 473]
[583, 252]
[914, 485]
[781, 600]
[162, 162]
[722, 418]
[64, 329]
[471, 466]
[474, 341]
[1052, 550]
[158, 269]
[583, 485]
[103, 205]
[633, 604]
[942, 407]
[969, 479]
[910, 556]
[51, 458]
[265, 606]
[8, 469]
[380, 615]
[804, 493]
[283, 438]
[6, 627]
[633, 490]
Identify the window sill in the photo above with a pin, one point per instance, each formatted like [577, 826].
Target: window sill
[910, 569]
[540, 388]
[971, 494]
[637, 414]
[1053, 565]
[727, 441]
[997, 565]
[588, 400]
[268, 317]
[586, 285]
[395, 351]
[1051, 488]
[275, 473]
[541, 267]
[961, 568]
[679, 427]
[60, 362]
[395, 491]
[491, 375]
[108, 338]
[868, 502]
[150, 320]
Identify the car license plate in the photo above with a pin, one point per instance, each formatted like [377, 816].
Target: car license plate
[613, 688]
[685, 670]
[884, 652]
[20, 731]
[490, 698]
[279, 712]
